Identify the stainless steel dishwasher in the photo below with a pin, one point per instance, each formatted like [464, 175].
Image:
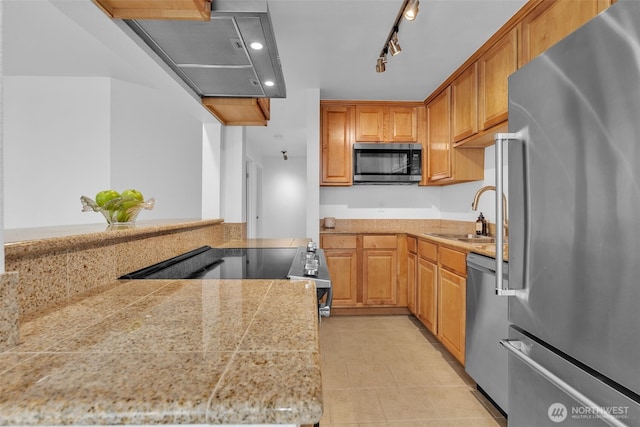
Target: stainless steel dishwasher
[486, 324]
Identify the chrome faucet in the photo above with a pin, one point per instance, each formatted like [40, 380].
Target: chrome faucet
[476, 199]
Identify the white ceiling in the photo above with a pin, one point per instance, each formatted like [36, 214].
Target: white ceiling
[331, 45]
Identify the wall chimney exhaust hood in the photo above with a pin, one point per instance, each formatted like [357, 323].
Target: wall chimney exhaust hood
[215, 57]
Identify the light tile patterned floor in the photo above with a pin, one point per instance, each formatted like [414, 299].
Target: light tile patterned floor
[388, 371]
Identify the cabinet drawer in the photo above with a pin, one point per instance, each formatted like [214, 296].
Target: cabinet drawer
[375, 242]
[453, 260]
[412, 245]
[428, 250]
[338, 242]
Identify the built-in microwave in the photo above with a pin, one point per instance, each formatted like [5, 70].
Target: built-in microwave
[387, 163]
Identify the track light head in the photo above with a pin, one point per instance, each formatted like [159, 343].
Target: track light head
[381, 65]
[284, 155]
[394, 45]
[411, 10]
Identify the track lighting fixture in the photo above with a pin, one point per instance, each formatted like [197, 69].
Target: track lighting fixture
[284, 155]
[394, 45]
[409, 11]
[381, 65]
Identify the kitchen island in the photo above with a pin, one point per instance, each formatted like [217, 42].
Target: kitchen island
[168, 352]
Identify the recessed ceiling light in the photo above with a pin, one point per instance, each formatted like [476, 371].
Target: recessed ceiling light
[269, 83]
[256, 45]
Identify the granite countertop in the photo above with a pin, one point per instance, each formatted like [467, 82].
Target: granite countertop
[48, 239]
[488, 249]
[169, 352]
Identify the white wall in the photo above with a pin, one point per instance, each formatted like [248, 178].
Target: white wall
[380, 201]
[412, 201]
[284, 197]
[87, 108]
[56, 148]
[61, 144]
[211, 172]
[157, 149]
[313, 164]
[233, 185]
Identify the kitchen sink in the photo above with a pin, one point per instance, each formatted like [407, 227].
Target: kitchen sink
[471, 238]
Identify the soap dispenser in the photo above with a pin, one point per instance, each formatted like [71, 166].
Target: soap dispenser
[480, 225]
[485, 227]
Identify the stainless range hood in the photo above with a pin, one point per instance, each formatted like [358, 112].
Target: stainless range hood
[214, 57]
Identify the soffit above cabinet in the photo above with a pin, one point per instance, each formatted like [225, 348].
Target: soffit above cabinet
[214, 57]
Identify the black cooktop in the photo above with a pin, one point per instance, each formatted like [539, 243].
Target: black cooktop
[222, 263]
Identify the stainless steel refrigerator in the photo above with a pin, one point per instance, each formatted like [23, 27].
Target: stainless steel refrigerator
[574, 236]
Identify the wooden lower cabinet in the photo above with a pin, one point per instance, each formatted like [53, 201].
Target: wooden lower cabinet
[412, 273]
[341, 254]
[380, 277]
[343, 270]
[427, 311]
[452, 303]
[441, 294]
[364, 271]
[379, 269]
[452, 300]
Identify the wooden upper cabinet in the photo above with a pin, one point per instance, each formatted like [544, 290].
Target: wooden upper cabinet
[464, 99]
[369, 123]
[403, 124]
[337, 141]
[494, 69]
[345, 122]
[551, 21]
[446, 164]
[439, 136]
[386, 123]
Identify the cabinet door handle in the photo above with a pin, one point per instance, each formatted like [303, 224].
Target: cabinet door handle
[515, 348]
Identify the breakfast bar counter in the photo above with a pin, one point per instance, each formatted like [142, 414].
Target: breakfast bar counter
[149, 352]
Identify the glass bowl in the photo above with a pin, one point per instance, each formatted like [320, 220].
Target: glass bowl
[118, 211]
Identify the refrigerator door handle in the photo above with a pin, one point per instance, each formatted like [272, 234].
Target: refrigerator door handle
[515, 348]
[500, 139]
